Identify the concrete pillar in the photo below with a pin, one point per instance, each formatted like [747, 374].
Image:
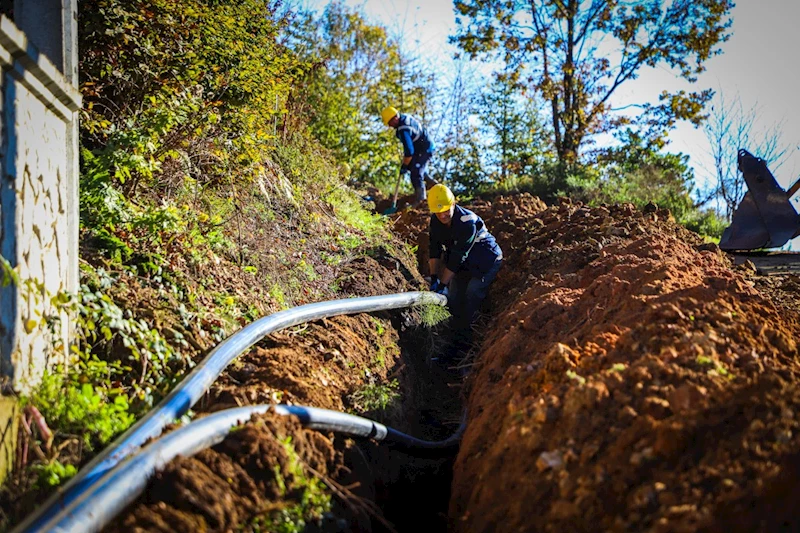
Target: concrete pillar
[52, 27]
[38, 194]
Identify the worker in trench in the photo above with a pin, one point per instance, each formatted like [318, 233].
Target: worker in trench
[417, 150]
[464, 261]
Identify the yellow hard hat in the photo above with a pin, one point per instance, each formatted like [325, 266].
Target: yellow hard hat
[388, 113]
[440, 198]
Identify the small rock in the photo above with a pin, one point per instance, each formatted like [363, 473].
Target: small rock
[562, 510]
[618, 232]
[783, 435]
[671, 439]
[643, 497]
[627, 413]
[682, 509]
[709, 247]
[686, 397]
[656, 407]
[549, 460]
[749, 266]
[585, 397]
[540, 414]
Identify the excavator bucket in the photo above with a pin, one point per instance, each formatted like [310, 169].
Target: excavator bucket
[765, 218]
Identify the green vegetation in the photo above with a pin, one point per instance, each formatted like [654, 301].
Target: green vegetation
[311, 498]
[432, 314]
[53, 473]
[574, 376]
[360, 69]
[635, 173]
[555, 44]
[75, 409]
[375, 397]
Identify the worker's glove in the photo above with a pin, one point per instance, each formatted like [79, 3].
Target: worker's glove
[435, 284]
[442, 289]
[405, 169]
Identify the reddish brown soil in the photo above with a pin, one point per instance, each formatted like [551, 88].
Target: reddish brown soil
[319, 365]
[230, 485]
[634, 382]
[506, 216]
[631, 380]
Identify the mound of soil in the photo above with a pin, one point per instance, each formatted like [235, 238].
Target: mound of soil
[234, 483]
[319, 365]
[634, 382]
[633, 379]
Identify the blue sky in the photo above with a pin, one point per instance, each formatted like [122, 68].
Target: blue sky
[760, 63]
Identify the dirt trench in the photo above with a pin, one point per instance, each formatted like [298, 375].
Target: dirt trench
[632, 379]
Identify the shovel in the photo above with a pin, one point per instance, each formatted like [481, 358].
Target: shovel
[393, 209]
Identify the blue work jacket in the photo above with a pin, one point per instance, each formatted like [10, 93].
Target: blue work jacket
[467, 243]
[413, 136]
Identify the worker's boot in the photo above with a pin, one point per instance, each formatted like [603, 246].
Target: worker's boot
[419, 196]
[430, 182]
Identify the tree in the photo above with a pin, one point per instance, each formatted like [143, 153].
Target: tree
[729, 128]
[178, 88]
[359, 70]
[577, 53]
[459, 146]
[513, 123]
[636, 173]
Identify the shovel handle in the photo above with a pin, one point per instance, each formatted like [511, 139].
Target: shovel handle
[396, 189]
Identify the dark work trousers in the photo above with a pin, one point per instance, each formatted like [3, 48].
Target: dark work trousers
[418, 167]
[466, 293]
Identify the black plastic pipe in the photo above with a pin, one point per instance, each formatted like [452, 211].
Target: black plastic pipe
[118, 488]
[195, 385]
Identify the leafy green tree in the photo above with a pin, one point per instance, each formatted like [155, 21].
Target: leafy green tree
[635, 172]
[519, 141]
[459, 160]
[579, 52]
[198, 81]
[358, 71]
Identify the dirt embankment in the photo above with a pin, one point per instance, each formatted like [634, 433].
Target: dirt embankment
[235, 485]
[635, 382]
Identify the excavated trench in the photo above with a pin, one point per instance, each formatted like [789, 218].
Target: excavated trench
[632, 378]
[377, 488]
[412, 489]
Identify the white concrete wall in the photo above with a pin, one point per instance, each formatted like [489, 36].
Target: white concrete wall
[38, 204]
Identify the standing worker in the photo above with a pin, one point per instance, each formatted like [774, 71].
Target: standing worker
[417, 149]
[470, 264]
